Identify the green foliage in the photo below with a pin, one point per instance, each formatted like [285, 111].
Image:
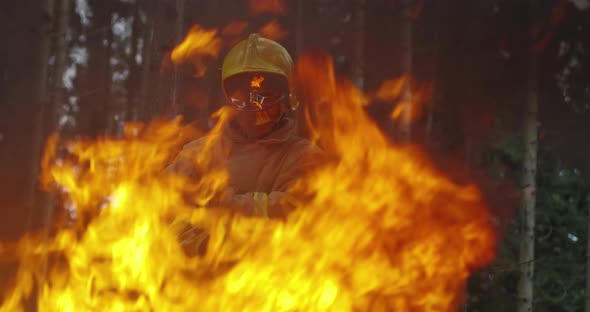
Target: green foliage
[561, 237]
[495, 287]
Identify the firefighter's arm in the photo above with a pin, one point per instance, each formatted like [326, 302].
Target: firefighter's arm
[183, 163]
[266, 205]
[280, 202]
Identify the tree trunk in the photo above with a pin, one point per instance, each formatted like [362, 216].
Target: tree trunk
[134, 68]
[358, 64]
[299, 27]
[179, 36]
[432, 104]
[96, 98]
[527, 215]
[48, 8]
[300, 113]
[123, 51]
[468, 145]
[406, 66]
[62, 11]
[143, 109]
[588, 255]
[212, 80]
[47, 15]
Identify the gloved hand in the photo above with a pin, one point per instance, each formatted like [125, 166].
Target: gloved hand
[223, 199]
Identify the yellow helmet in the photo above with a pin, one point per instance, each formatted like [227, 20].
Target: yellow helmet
[257, 54]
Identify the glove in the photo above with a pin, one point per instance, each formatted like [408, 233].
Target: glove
[223, 199]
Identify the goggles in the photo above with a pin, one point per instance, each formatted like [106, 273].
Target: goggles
[254, 92]
[256, 102]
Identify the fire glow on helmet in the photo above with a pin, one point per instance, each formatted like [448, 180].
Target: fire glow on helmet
[256, 81]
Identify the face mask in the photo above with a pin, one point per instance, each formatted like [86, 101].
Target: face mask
[256, 92]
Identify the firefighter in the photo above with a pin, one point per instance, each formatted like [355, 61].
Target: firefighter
[263, 153]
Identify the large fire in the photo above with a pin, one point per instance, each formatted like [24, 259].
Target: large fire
[377, 227]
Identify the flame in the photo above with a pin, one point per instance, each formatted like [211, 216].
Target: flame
[273, 30]
[392, 90]
[198, 44]
[380, 228]
[256, 81]
[275, 7]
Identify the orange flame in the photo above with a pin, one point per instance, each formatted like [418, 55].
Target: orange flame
[398, 202]
[415, 105]
[392, 90]
[381, 228]
[273, 30]
[276, 7]
[198, 44]
[256, 81]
